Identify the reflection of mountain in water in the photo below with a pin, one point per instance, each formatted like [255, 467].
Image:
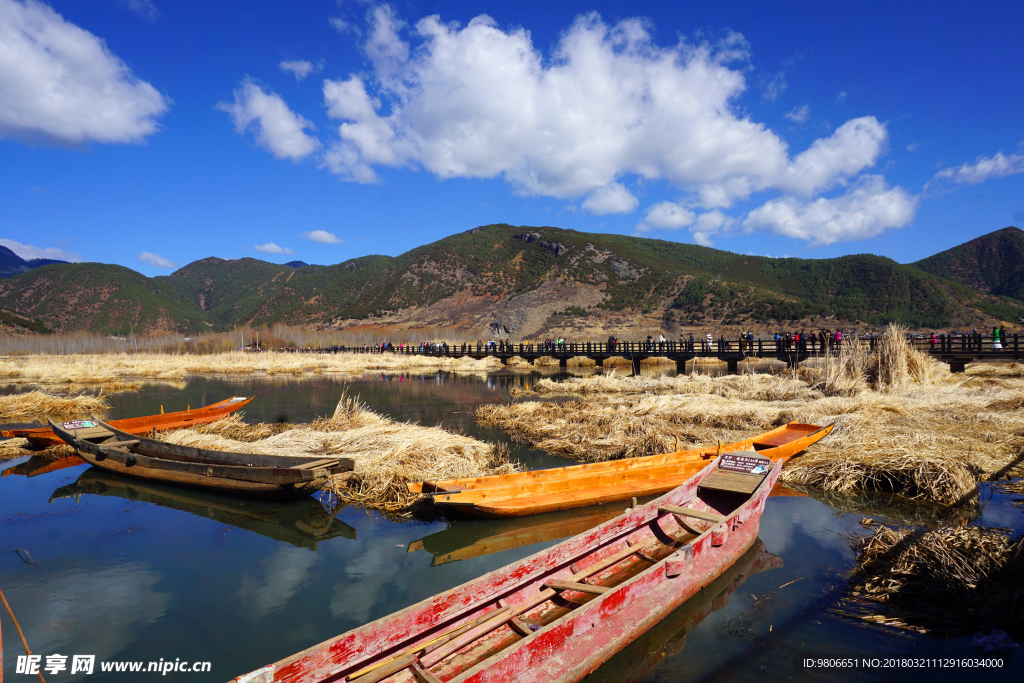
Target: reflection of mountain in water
[477, 537]
[302, 523]
[668, 636]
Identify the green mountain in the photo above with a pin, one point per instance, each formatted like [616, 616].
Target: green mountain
[990, 263]
[100, 298]
[529, 281]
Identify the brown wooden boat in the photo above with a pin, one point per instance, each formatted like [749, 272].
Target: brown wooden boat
[563, 488]
[44, 437]
[248, 474]
[557, 615]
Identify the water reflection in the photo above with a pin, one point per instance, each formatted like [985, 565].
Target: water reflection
[88, 610]
[301, 523]
[465, 539]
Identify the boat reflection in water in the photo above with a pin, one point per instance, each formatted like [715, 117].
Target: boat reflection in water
[668, 637]
[38, 464]
[470, 538]
[475, 537]
[303, 523]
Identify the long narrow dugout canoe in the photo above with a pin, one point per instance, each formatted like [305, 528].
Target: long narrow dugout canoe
[44, 437]
[247, 474]
[774, 438]
[557, 615]
[573, 487]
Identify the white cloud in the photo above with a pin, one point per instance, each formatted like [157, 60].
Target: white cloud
[613, 198]
[708, 225]
[343, 27]
[300, 68]
[323, 237]
[156, 260]
[852, 147]
[271, 248]
[29, 252]
[666, 216]
[841, 97]
[477, 101]
[59, 82]
[867, 209]
[799, 114]
[983, 168]
[279, 130]
[144, 8]
[774, 87]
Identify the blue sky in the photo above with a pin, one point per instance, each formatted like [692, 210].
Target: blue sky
[151, 133]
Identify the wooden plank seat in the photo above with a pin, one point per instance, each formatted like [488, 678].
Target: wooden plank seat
[575, 586]
[126, 442]
[695, 514]
[733, 482]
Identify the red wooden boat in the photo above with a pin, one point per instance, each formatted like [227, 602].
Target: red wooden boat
[43, 437]
[557, 615]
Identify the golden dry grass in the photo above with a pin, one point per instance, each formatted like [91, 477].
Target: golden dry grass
[923, 433]
[110, 369]
[951, 581]
[37, 405]
[387, 454]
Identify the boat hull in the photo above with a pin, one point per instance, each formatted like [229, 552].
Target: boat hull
[234, 479]
[468, 633]
[45, 437]
[512, 501]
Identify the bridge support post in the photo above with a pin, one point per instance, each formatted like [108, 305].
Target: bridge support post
[732, 364]
[681, 366]
[636, 367]
[599, 362]
[504, 360]
[957, 365]
[563, 362]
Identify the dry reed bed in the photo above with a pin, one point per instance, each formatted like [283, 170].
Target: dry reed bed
[950, 581]
[387, 454]
[113, 368]
[904, 423]
[37, 405]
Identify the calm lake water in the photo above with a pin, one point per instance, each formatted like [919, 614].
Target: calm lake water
[132, 571]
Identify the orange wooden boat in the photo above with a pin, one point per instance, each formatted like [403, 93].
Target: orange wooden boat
[43, 437]
[563, 488]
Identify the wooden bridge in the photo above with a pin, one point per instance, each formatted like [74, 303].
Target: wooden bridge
[958, 351]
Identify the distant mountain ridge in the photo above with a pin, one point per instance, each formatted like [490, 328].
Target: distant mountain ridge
[529, 281]
[12, 264]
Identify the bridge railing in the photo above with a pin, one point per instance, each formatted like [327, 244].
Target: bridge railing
[810, 345]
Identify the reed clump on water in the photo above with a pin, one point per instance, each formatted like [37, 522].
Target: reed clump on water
[387, 454]
[111, 369]
[919, 432]
[949, 581]
[33, 405]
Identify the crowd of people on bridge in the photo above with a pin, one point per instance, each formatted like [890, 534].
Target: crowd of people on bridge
[798, 341]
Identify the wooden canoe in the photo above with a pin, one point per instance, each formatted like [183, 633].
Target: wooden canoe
[303, 523]
[668, 638]
[44, 437]
[557, 615]
[247, 474]
[774, 438]
[553, 490]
